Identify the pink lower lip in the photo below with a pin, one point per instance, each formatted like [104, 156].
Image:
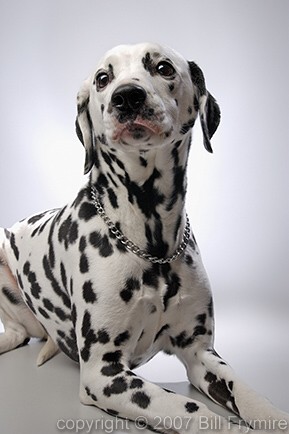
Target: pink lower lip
[147, 124]
[138, 122]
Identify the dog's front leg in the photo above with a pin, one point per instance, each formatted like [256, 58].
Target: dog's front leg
[212, 375]
[111, 386]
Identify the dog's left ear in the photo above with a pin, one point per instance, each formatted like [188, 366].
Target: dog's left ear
[209, 110]
[84, 128]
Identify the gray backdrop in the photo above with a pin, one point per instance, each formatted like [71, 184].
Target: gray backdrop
[238, 198]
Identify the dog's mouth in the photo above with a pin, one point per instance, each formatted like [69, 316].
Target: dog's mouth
[137, 129]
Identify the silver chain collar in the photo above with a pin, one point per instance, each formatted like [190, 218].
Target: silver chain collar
[129, 245]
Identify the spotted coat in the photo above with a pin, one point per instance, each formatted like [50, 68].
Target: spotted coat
[66, 276]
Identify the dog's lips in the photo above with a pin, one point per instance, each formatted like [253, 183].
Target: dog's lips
[137, 129]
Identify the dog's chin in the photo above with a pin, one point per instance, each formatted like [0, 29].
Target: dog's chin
[139, 132]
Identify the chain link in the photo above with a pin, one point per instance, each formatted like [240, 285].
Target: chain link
[129, 245]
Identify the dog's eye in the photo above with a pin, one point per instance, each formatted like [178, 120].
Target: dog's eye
[102, 80]
[165, 69]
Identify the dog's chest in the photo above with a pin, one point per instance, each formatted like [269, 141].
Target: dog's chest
[81, 265]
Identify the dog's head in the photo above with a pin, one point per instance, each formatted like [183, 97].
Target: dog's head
[142, 97]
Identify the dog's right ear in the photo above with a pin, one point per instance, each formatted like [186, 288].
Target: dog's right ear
[209, 110]
[84, 128]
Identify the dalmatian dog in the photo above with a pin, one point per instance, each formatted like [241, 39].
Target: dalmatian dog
[116, 276]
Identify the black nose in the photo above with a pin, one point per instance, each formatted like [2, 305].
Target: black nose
[128, 98]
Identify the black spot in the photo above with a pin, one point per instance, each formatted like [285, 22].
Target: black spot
[131, 285]
[47, 304]
[19, 279]
[220, 392]
[199, 330]
[85, 354]
[61, 333]
[173, 285]
[210, 308]
[126, 295]
[29, 302]
[60, 313]
[112, 369]
[70, 351]
[13, 246]
[119, 385]
[83, 264]
[51, 253]
[171, 87]
[87, 389]
[103, 336]
[73, 315]
[88, 293]
[191, 407]
[68, 232]
[35, 218]
[86, 324]
[82, 244]
[35, 290]
[9, 294]
[43, 313]
[148, 64]
[189, 260]
[147, 196]
[31, 276]
[71, 286]
[112, 198]
[63, 275]
[151, 278]
[101, 243]
[141, 399]
[87, 211]
[54, 283]
[93, 397]
[26, 268]
[182, 340]
[121, 338]
[143, 161]
[112, 357]
[136, 383]
[179, 183]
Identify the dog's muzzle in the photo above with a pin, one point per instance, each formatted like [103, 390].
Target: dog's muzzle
[135, 119]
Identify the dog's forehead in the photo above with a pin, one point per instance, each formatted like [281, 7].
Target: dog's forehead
[125, 54]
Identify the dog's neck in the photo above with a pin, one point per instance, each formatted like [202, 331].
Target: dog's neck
[144, 193]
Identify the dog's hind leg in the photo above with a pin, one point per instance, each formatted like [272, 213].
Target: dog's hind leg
[19, 322]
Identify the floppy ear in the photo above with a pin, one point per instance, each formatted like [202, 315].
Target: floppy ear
[209, 110]
[83, 124]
